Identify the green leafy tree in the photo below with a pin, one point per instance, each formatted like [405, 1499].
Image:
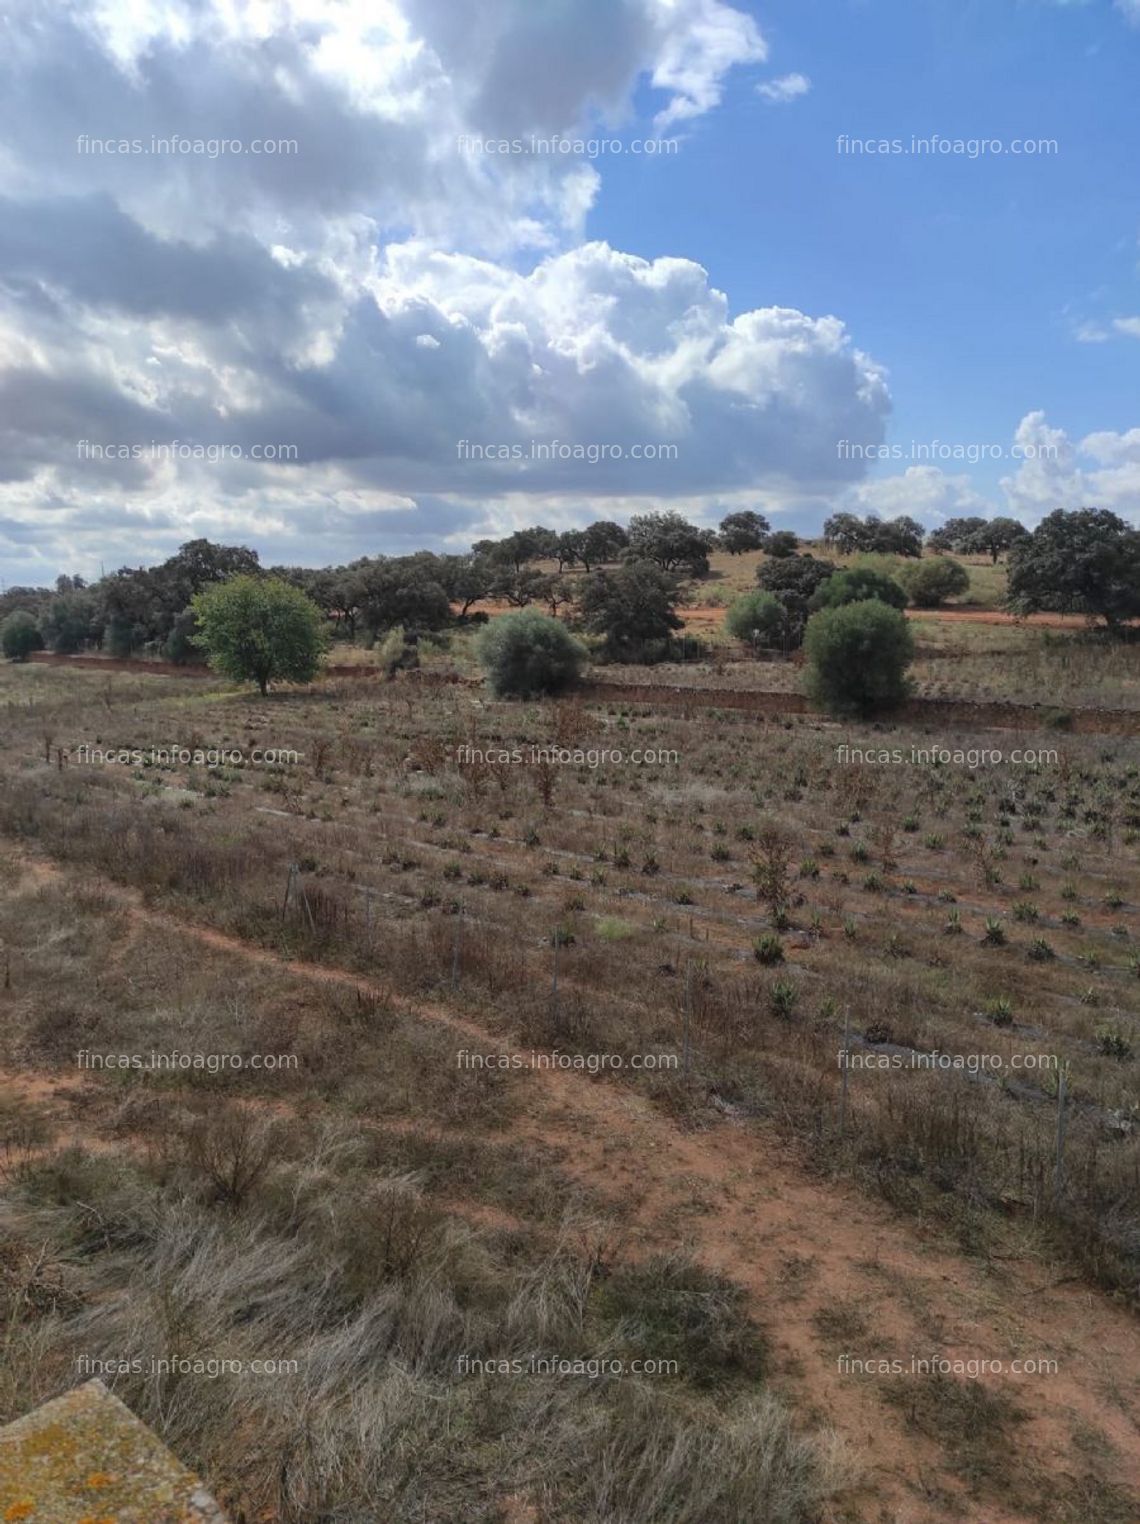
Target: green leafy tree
[602, 541]
[568, 549]
[934, 580]
[858, 655]
[740, 532]
[519, 588]
[72, 621]
[794, 582]
[671, 541]
[139, 605]
[200, 563]
[895, 537]
[535, 544]
[758, 618]
[467, 580]
[994, 538]
[401, 591]
[336, 590]
[259, 629]
[632, 608]
[20, 636]
[1082, 562]
[529, 654]
[32, 600]
[956, 534]
[846, 533]
[854, 585]
[781, 545]
[179, 646]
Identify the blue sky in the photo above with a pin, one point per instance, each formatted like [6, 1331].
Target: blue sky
[970, 280]
[376, 334]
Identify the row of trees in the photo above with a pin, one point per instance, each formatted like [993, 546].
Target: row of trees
[850, 535]
[666, 539]
[674, 544]
[1085, 562]
[150, 608]
[978, 537]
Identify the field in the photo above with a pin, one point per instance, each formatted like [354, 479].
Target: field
[774, 1052]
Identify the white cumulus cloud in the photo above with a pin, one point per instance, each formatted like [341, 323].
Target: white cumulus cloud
[788, 87]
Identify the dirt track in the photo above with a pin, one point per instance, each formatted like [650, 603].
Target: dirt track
[712, 615]
[741, 1202]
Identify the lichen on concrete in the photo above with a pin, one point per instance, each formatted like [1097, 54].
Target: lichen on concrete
[86, 1459]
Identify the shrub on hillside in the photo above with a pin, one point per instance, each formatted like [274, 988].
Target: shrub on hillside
[758, 618]
[179, 646]
[528, 654]
[781, 545]
[794, 581]
[858, 655]
[633, 609]
[932, 581]
[855, 585]
[20, 636]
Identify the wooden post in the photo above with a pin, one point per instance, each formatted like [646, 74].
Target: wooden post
[554, 1008]
[455, 947]
[288, 890]
[846, 1070]
[308, 907]
[1062, 1091]
[686, 1045]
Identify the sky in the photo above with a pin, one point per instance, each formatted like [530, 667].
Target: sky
[341, 279]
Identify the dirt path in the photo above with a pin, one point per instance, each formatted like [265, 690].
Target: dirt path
[952, 714]
[712, 616]
[806, 1250]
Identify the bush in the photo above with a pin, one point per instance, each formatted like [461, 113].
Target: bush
[858, 655]
[259, 629]
[179, 647]
[20, 636]
[857, 584]
[781, 545]
[794, 581]
[683, 1312]
[397, 653]
[632, 608]
[932, 581]
[768, 949]
[758, 618]
[528, 654]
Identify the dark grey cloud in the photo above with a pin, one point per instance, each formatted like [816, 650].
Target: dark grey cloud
[87, 248]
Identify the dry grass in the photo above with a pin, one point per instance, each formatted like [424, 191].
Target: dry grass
[269, 1212]
[306, 1217]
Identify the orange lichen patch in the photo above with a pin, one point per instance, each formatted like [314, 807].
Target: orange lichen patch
[87, 1440]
